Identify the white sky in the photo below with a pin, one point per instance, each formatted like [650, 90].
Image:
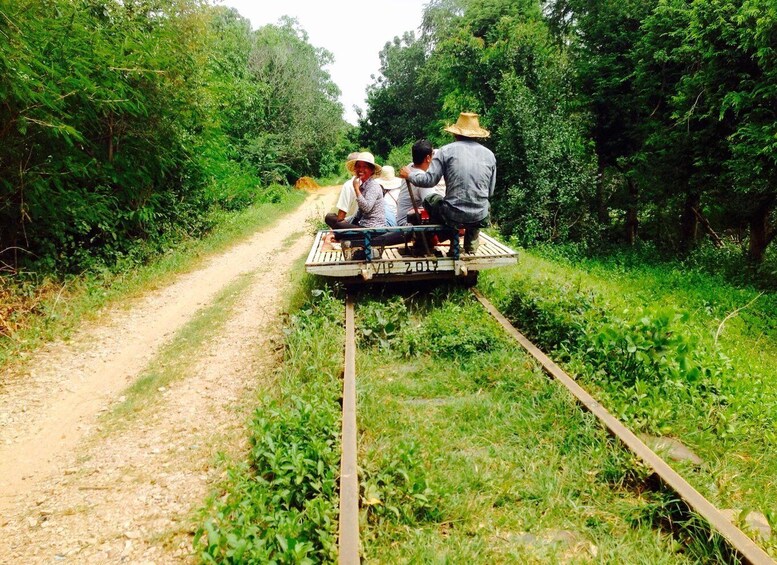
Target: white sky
[354, 31]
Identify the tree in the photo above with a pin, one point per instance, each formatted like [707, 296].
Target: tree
[602, 36]
[402, 101]
[125, 122]
[715, 113]
[96, 97]
[302, 115]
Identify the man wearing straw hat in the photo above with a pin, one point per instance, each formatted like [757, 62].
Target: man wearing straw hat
[469, 170]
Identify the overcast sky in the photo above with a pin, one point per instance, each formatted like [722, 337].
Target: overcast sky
[353, 30]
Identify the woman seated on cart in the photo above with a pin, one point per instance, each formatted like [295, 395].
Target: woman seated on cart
[369, 195]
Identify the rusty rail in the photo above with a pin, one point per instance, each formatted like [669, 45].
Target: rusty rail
[348, 546]
[736, 539]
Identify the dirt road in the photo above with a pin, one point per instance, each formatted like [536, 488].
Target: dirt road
[73, 489]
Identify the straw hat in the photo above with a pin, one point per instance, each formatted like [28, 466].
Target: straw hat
[468, 126]
[365, 157]
[387, 179]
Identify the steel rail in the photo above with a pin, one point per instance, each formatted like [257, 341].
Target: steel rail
[348, 543]
[737, 540]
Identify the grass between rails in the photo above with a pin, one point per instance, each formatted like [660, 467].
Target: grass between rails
[643, 339]
[471, 455]
[39, 309]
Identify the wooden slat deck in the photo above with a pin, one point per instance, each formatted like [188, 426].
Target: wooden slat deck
[394, 264]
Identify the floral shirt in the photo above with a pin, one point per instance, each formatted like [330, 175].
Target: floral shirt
[373, 213]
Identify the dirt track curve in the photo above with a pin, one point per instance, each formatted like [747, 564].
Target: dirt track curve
[74, 492]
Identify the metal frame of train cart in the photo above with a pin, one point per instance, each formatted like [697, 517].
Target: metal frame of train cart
[405, 253]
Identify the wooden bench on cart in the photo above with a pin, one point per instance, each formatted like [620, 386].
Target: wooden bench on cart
[404, 253]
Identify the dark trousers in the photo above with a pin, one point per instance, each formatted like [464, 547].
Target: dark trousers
[433, 204]
[332, 221]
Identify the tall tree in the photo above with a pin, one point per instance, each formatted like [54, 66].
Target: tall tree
[96, 95]
[402, 101]
[714, 114]
[602, 36]
[302, 115]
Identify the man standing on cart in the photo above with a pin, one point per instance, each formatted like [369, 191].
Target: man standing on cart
[469, 170]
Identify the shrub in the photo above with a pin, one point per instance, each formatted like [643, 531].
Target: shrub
[281, 504]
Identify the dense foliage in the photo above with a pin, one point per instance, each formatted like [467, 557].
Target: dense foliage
[127, 121]
[611, 121]
[281, 505]
[670, 349]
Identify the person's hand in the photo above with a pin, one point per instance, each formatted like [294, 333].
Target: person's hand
[357, 184]
[404, 172]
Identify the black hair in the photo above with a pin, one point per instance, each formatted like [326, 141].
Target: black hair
[421, 149]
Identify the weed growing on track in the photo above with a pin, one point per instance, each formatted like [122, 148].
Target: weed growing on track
[645, 338]
[281, 504]
[470, 455]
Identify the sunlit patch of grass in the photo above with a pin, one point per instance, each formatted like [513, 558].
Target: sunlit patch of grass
[477, 457]
[292, 238]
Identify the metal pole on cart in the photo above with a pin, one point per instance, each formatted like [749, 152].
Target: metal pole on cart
[418, 215]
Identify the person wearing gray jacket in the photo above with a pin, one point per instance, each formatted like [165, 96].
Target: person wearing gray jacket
[469, 170]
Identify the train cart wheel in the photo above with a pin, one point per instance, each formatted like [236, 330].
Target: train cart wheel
[470, 279]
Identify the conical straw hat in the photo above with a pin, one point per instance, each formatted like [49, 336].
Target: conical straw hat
[468, 126]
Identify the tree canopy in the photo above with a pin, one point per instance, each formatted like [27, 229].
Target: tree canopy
[126, 121]
[611, 120]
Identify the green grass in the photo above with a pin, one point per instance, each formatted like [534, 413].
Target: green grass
[642, 337]
[471, 455]
[468, 452]
[280, 503]
[64, 304]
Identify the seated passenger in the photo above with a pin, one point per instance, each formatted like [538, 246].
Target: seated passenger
[391, 187]
[422, 157]
[469, 169]
[367, 192]
[346, 202]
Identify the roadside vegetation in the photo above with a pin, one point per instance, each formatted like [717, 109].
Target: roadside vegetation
[36, 308]
[614, 122]
[132, 129]
[280, 504]
[668, 348]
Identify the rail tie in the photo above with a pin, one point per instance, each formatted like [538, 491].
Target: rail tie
[740, 542]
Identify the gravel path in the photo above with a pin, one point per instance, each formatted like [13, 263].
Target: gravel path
[72, 491]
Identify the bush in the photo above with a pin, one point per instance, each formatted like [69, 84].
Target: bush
[281, 504]
[648, 363]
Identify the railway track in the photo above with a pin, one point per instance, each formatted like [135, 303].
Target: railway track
[348, 543]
